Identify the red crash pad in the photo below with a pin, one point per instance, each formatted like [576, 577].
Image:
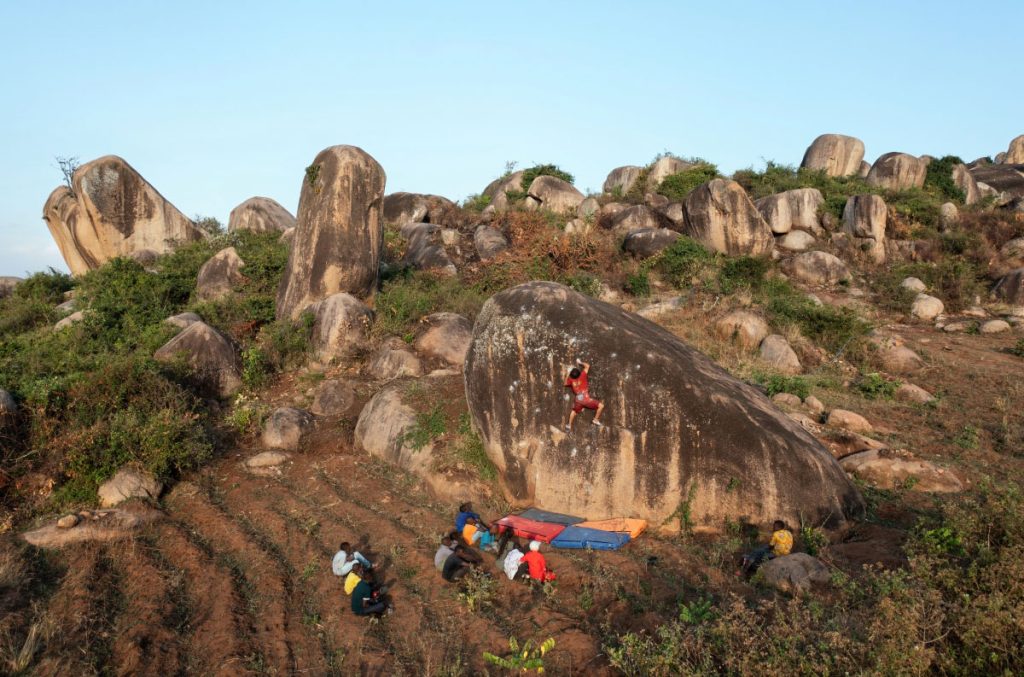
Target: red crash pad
[527, 528]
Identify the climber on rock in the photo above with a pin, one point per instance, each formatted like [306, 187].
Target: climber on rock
[577, 380]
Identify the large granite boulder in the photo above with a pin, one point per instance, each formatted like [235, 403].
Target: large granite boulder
[553, 194]
[741, 327]
[393, 360]
[1003, 182]
[621, 179]
[212, 357]
[898, 171]
[792, 209]
[834, 154]
[340, 232]
[663, 168]
[720, 215]
[1010, 288]
[965, 181]
[647, 242]
[630, 219]
[881, 468]
[260, 215]
[111, 211]
[678, 430]
[817, 268]
[488, 242]
[1015, 153]
[333, 397]
[496, 189]
[864, 219]
[795, 573]
[341, 324]
[425, 250]
[445, 336]
[403, 208]
[7, 284]
[220, 275]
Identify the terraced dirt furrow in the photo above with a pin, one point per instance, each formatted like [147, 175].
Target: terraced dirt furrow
[219, 623]
[266, 588]
[83, 614]
[147, 638]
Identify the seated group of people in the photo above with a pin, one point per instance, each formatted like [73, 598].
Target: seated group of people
[457, 554]
[368, 596]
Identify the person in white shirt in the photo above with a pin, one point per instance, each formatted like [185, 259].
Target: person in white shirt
[343, 560]
[514, 565]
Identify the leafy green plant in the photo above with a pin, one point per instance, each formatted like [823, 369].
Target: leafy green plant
[584, 283]
[312, 174]
[968, 437]
[470, 449]
[743, 272]
[1018, 348]
[681, 261]
[638, 283]
[478, 590]
[523, 658]
[543, 170]
[874, 386]
[476, 203]
[677, 186]
[429, 426]
[780, 383]
[696, 612]
[939, 178]
[814, 540]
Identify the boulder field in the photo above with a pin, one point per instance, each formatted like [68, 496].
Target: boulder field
[682, 441]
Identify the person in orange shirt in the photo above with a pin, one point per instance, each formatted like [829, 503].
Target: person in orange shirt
[537, 565]
[781, 544]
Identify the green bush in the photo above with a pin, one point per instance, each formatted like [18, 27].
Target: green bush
[681, 261]
[779, 383]
[32, 303]
[429, 426]
[677, 186]
[638, 283]
[939, 178]
[408, 298]
[743, 272]
[584, 283]
[836, 329]
[476, 203]
[543, 170]
[874, 386]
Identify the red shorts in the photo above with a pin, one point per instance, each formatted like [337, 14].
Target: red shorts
[586, 402]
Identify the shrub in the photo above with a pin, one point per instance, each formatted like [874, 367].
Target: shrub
[874, 386]
[524, 658]
[408, 298]
[476, 203]
[939, 178]
[836, 329]
[32, 303]
[779, 383]
[744, 272]
[584, 283]
[470, 449]
[543, 170]
[429, 426]
[677, 186]
[638, 283]
[1018, 348]
[681, 261]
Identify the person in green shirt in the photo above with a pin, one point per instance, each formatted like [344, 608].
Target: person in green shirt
[368, 599]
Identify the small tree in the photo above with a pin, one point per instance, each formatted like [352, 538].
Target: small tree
[208, 224]
[523, 658]
[67, 166]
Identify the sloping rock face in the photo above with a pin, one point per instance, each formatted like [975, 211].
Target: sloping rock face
[112, 211]
[1007, 179]
[260, 215]
[212, 357]
[218, 276]
[1015, 153]
[965, 181]
[403, 208]
[679, 429]
[632, 218]
[554, 194]
[721, 216]
[340, 231]
[898, 171]
[865, 218]
[621, 179]
[647, 242]
[834, 154]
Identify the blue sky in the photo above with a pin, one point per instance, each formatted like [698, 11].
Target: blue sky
[214, 102]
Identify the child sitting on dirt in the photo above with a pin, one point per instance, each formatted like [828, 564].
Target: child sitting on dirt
[343, 560]
[537, 565]
[513, 563]
[780, 544]
[465, 512]
[368, 598]
[578, 381]
[448, 562]
[472, 534]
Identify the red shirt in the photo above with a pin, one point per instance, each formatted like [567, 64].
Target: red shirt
[578, 385]
[537, 564]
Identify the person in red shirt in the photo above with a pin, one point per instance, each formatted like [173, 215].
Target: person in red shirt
[577, 380]
[537, 565]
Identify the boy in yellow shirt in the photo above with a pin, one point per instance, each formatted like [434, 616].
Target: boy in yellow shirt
[780, 544]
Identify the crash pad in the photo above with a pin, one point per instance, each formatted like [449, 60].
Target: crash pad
[552, 517]
[528, 528]
[577, 537]
[631, 526]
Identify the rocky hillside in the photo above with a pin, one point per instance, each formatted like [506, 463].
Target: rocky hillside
[192, 422]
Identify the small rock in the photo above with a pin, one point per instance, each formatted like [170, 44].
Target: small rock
[183, 320]
[913, 284]
[908, 392]
[926, 307]
[333, 397]
[900, 359]
[446, 336]
[71, 319]
[776, 352]
[957, 327]
[794, 573]
[285, 428]
[742, 327]
[267, 459]
[848, 420]
[814, 405]
[994, 327]
[126, 484]
[68, 521]
[879, 469]
[786, 400]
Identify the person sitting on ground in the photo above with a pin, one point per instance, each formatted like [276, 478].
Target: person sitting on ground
[473, 534]
[514, 565]
[465, 512]
[578, 381]
[355, 574]
[448, 561]
[537, 565]
[464, 551]
[368, 598]
[780, 544]
[343, 560]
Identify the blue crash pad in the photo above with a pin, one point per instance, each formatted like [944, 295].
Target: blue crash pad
[538, 515]
[585, 537]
